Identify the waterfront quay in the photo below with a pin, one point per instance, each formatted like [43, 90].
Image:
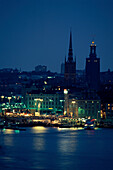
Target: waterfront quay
[49, 121]
[42, 120]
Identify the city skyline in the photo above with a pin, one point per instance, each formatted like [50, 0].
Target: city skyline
[37, 32]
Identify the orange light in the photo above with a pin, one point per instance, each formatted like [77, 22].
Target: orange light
[65, 91]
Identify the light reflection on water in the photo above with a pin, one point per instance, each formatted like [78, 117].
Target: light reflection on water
[67, 145]
[39, 129]
[69, 129]
[39, 144]
[8, 131]
[59, 149]
[67, 142]
[8, 139]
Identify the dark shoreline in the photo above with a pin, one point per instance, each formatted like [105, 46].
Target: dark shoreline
[54, 125]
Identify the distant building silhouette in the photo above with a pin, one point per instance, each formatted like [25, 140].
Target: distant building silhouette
[93, 69]
[70, 66]
[41, 68]
[106, 77]
[62, 68]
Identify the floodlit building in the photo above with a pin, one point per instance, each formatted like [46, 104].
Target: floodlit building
[82, 105]
[107, 110]
[46, 102]
[85, 108]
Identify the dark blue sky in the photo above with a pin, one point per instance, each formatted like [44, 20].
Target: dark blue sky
[34, 32]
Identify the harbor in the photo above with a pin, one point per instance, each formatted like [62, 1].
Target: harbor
[17, 122]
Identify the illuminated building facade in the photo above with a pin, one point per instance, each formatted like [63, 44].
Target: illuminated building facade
[70, 67]
[82, 105]
[47, 103]
[81, 108]
[107, 111]
[93, 69]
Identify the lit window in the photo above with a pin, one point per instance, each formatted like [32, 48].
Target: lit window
[88, 61]
[108, 108]
[95, 61]
[108, 104]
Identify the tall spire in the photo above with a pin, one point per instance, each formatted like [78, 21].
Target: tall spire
[65, 58]
[70, 43]
[70, 54]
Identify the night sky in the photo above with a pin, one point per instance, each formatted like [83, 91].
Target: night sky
[34, 32]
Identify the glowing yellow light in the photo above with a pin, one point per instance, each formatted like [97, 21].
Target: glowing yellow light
[9, 131]
[45, 82]
[38, 99]
[39, 129]
[65, 91]
[2, 97]
[93, 42]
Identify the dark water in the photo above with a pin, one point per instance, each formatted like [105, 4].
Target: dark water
[59, 149]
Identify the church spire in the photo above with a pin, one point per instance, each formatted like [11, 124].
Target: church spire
[65, 58]
[70, 53]
[70, 43]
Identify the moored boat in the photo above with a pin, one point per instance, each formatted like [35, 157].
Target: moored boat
[90, 124]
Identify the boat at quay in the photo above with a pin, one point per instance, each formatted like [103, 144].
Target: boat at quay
[62, 122]
[90, 124]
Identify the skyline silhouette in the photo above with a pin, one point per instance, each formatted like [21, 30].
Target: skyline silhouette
[37, 32]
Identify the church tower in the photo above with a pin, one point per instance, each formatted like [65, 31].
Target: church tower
[93, 69]
[70, 66]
